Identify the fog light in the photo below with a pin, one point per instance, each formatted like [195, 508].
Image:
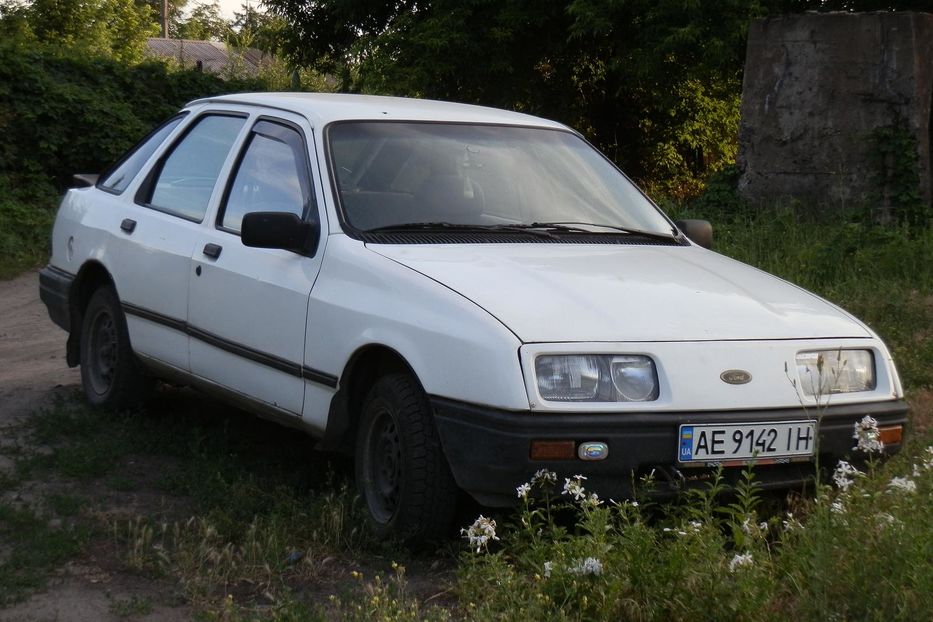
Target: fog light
[891, 435]
[553, 450]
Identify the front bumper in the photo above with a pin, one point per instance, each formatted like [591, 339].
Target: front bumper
[55, 291]
[489, 450]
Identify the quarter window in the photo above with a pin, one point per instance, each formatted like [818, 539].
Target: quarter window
[187, 176]
[272, 176]
[129, 166]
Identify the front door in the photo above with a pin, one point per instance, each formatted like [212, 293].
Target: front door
[247, 307]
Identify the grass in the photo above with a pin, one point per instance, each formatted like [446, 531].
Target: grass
[856, 555]
[251, 509]
[35, 549]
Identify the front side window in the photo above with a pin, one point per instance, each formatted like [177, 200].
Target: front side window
[272, 176]
[186, 178]
[392, 174]
[131, 163]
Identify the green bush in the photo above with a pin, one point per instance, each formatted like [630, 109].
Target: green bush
[62, 114]
[25, 223]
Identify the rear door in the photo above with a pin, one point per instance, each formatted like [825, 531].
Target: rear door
[158, 225]
[247, 308]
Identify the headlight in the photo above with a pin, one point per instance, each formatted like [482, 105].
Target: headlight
[835, 371]
[596, 378]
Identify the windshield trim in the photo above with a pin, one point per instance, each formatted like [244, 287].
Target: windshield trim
[363, 235]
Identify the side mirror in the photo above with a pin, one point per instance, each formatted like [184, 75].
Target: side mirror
[282, 230]
[699, 231]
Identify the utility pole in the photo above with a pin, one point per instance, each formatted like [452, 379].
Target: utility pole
[165, 19]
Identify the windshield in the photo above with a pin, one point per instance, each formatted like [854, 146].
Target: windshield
[400, 174]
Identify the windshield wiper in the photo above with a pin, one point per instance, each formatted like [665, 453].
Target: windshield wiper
[449, 226]
[581, 227]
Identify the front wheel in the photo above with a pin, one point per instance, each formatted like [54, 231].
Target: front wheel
[110, 373]
[401, 471]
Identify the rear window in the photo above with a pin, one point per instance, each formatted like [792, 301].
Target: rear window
[132, 162]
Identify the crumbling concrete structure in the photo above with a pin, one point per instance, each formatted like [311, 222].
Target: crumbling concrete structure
[816, 87]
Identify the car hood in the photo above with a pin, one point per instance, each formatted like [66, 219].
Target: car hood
[568, 292]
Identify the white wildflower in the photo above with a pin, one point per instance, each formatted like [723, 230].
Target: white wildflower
[574, 488]
[588, 566]
[844, 475]
[867, 436]
[480, 533]
[884, 519]
[543, 476]
[902, 484]
[928, 463]
[838, 507]
[548, 567]
[749, 528]
[523, 490]
[791, 523]
[593, 500]
[695, 526]
[740, 561]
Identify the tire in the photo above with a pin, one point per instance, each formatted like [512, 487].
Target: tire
[401, 472]
[111, 375]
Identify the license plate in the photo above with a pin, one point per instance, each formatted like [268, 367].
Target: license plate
[741, 443]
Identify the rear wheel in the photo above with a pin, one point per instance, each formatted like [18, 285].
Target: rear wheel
[111, 375]
[401, 471]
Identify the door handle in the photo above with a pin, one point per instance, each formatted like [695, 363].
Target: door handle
[212, 250]
[128, 225]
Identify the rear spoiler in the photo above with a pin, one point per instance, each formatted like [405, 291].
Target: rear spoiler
[84, 180]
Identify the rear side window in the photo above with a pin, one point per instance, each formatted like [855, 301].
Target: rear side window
[272, 175]
[183, 183]
[130, 164]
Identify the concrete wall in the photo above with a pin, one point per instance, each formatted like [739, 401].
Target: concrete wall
[815, 87]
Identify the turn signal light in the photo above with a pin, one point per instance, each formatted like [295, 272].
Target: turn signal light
[553, 450]
[892, 435]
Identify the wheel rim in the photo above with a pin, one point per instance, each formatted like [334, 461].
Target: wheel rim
[384, 467]
[102, 352]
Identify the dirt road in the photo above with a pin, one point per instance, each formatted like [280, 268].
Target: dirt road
[32, 371]
[32, 350]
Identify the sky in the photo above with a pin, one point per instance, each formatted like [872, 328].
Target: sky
[228, 7]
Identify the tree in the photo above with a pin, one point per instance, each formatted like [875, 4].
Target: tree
[116, 28]
[253, 28]
[655, 84]
[204, 23]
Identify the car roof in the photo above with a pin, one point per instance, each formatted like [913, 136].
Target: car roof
[323, 108]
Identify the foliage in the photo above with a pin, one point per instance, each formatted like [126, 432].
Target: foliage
[61, 114]
[655, 85]
[116, 28]
[256, 29]
[26, 216]
[895, 158]
[204, 23]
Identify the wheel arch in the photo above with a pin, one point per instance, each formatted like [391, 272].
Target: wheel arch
[91, 276]
[364, 366]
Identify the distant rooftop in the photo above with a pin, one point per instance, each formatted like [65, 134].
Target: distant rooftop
[213, 56]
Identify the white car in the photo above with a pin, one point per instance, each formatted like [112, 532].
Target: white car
[457, 295]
